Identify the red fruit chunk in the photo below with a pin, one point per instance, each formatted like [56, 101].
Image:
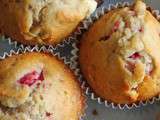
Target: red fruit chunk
[127, 24]
[30, 78]
[41, 77]
[130, 66]
[136, 55]
[150, 72]
[48, 114]
[116, 26]
[141, 29]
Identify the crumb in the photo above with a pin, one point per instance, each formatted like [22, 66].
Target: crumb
[94, 112]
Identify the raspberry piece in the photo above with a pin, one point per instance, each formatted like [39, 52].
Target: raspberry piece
[130, 66]
[116, 26]
[136, 55]
[141, 29]
[150, 72]
[30, 78]
[41, 77]
[48, 114]
[127, 24]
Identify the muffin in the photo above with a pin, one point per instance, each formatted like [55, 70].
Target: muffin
[36, 86]
[119, 55]
[42, 21]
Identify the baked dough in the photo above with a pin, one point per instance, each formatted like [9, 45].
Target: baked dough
[42, 21]
[36, 86]
[119, 55]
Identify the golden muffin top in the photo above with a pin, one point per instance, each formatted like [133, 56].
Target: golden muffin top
[121, 50]
[36, 86]
[42, 21]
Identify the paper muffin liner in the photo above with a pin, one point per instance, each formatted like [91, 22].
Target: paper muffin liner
[45, 50]
[21, 45]
[76, 67]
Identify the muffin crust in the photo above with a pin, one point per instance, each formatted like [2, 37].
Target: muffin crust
[119, 55]
[36, 86]
[42, 21]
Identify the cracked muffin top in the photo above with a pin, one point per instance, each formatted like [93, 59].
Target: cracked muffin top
[42, 21]
[119, 55]
[36, 86]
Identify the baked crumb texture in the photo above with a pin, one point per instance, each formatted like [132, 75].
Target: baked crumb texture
[119, 55]
[42, 21]
[36, 86]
